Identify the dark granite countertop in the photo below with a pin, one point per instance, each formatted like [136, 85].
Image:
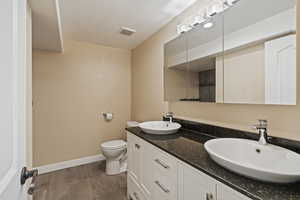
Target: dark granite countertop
[188, 146]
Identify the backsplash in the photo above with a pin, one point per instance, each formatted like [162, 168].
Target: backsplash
[221, 132]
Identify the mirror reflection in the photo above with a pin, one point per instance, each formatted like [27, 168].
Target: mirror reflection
[260, 52]
[195, 59]
[246, 55]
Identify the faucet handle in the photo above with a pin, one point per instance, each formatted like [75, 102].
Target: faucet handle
[263, 123]
[169, 114]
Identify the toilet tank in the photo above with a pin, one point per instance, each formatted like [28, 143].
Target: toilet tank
[132, 124]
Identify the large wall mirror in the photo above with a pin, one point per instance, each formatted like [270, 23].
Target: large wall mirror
[243, 55]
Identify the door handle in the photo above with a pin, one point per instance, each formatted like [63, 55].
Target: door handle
[209, 196]
[26, 174]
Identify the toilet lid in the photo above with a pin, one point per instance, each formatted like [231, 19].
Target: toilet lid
[113, 144]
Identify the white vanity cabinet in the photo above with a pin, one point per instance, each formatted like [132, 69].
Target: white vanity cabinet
[194, 185]
[164, 176]
[156, 175]
[135, 165]
[134, 191]
[151, 171]
[226, 193]
[134, 152]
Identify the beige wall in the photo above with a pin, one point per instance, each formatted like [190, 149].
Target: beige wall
[176, 86]
[70, 91]
[147, 73]
[147, 94]
[243, 78]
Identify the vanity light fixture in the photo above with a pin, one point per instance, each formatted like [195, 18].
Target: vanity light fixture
[198, 19]
[204, 16]
[214, 9]
[230, 2]
[182, 28]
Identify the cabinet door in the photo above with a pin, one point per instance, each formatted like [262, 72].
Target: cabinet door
[134, 151]
[195, 185]
[226, 193]
[134, 191]
[146, 169]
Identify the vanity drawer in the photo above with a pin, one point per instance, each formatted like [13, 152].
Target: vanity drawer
[134, 191]
[164, 176]
[164, 187]
[165, 164]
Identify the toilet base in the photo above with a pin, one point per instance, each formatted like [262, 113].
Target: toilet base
[114, 167]
[123, 167]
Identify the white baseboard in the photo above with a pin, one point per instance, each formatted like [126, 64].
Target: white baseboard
[70, 163]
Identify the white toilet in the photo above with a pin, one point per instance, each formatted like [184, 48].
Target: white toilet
[115, 154]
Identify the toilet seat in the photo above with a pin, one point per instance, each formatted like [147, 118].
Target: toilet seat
[114, 144]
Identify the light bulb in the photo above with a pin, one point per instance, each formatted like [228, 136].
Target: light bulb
[182, 28]
[198, 20]
[214, 9]
[231, 2]
[208, 25]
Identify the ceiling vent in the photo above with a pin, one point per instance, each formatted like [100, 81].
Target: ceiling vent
[127, 31]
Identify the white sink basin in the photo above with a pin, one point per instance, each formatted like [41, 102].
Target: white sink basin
[268, 163]
[160, 127]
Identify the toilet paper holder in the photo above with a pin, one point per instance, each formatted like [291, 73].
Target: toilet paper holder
[107, 116]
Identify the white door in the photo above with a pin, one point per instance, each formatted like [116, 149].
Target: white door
[281, 71]
[12, 97]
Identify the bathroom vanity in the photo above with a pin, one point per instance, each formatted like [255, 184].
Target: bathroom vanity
[177, 167]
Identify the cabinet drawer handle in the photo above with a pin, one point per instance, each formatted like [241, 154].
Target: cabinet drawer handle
[137, 146]
[161, 187]
[209, 196]
[162, 164]
[136, 196]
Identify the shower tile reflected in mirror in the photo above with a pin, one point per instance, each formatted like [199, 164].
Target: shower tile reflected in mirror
[207, 86]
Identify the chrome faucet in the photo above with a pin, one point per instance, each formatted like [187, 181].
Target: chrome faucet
[262, 128]
[170, 116]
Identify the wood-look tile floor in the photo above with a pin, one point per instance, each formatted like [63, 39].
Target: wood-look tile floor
[86, 182]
